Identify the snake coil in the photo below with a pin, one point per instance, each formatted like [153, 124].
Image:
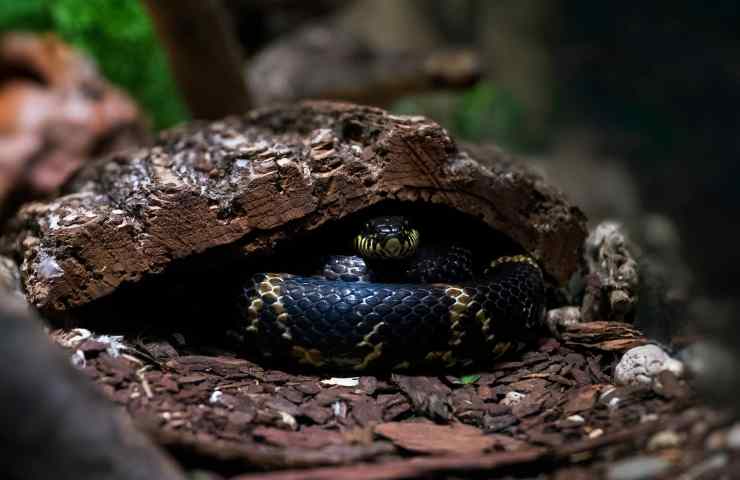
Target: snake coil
[348, 323]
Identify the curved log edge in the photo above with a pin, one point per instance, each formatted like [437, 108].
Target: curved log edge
[253, 180]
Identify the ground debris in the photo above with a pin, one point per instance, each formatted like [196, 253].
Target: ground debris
[237, 417]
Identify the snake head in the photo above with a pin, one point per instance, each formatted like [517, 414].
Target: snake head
[387, 238]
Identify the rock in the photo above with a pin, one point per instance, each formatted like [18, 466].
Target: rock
[664, 439]
[640, 365]
[733, 437]
[562, 317]
[712, 367]
[637, 468]
[250, 184]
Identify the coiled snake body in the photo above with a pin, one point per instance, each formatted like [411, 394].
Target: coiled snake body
[341, 320]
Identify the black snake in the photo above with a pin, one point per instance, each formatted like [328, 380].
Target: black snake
[422, 307]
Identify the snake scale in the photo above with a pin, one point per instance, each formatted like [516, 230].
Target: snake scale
[433, 313]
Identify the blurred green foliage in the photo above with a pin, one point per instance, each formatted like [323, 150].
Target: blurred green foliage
[118, 35]
[482, 113]
[489, 113]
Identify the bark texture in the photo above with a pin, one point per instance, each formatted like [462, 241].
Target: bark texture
[252, 181]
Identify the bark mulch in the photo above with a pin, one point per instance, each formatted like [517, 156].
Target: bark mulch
[551, 410]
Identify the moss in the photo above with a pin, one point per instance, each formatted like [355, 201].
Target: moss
[118, 35]
[481, 113]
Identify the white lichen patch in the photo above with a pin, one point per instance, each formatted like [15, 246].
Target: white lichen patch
[113, 344]
[48, 267]
[512, 398]
[72, 338]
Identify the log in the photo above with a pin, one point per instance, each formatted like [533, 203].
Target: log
[253, 182]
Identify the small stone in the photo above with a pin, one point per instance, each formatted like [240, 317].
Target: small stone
[637, 468]
[733, 437]
[339, 409]
[664, 439]
[215, 396]
[562, 317]
[640, 365]
[648, 417]
[288, 420]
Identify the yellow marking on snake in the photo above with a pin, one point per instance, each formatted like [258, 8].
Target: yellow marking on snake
[281, 317]
[376, 353]
[377, 349]
[457, 313]
[269, 290]
[514, 259]
[500, 348]
[484, 319]
[310, 356]
[253, 314]
[444, 355]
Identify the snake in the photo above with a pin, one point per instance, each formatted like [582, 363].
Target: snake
[396, 304]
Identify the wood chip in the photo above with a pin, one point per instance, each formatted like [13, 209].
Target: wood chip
[428, 438]
[602, 335]
[581, 399]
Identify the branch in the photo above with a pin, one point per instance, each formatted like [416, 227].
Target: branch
[204, 55]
